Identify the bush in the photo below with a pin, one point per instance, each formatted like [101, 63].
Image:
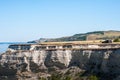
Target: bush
[41, 78]
[116, 40]
[68, 78]
[92, 77]
[55, 77]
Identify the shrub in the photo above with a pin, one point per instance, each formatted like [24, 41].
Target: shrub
[55, 77]
[92, 77]
[68, 78]
[116, 40]
[41, 78]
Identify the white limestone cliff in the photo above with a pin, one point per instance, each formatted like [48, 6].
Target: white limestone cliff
[93, 60]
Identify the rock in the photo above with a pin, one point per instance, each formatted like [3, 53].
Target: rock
[30, 64]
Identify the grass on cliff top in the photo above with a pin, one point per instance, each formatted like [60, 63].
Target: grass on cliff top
[76, 42]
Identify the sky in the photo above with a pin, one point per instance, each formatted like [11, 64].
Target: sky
[26, 20]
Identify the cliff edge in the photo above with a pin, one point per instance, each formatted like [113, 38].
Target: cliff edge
[104, 63]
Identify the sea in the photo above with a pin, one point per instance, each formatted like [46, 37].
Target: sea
[4, 45]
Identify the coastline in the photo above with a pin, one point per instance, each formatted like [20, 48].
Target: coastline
[4, 45]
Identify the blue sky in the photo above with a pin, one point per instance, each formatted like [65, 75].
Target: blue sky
[25, 20]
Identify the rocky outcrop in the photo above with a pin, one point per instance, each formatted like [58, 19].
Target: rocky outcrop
[93, 61]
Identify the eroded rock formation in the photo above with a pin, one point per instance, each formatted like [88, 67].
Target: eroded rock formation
[93, 61]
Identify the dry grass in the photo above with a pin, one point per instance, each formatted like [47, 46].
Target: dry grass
[74, 42]
[77, 42]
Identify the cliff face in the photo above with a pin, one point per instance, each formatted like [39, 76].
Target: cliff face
[93, 61]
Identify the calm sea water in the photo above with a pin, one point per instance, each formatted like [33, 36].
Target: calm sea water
[4, 45]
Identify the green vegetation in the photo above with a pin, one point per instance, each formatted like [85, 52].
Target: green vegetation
[116, 40]
[92, 77]
[60, 77]
[42, 78]
[55, 76]
[70, 76]
[96, 35]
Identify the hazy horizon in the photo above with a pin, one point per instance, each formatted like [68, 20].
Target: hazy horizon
[26, 20]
